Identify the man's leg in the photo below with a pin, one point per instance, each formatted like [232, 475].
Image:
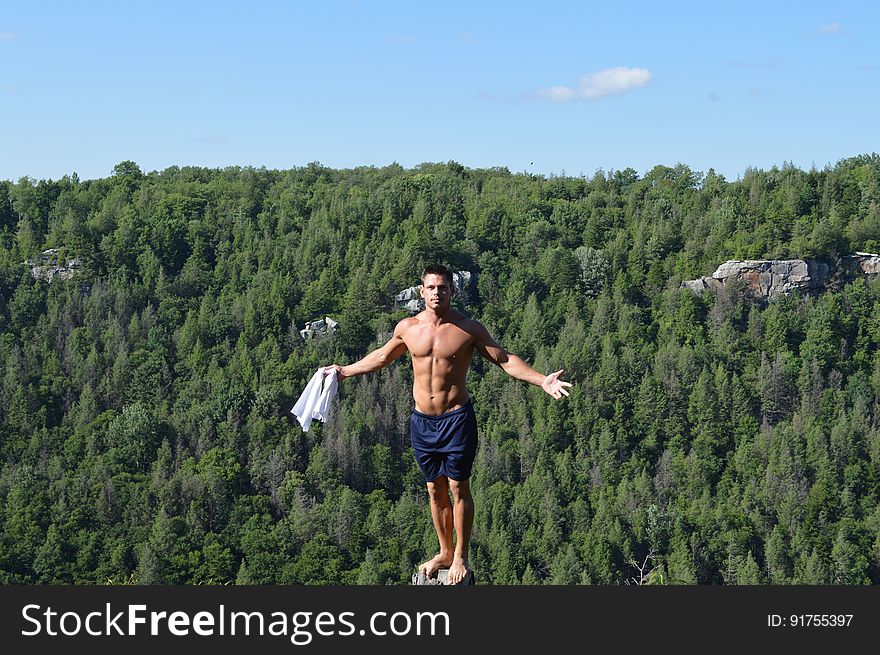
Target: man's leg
[441, 513]
[463, 513]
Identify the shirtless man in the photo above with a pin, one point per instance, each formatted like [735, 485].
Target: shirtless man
[443, 428]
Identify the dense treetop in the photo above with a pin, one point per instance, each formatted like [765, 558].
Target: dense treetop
[144, 426]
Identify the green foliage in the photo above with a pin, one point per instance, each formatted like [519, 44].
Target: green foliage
[145, 434]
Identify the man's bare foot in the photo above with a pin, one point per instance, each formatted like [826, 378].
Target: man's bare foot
[439, 561]
[457, 570]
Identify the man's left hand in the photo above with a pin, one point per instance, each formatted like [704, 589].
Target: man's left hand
[554, 386]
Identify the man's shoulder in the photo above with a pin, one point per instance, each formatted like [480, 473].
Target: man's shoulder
[405, 324]
[470, 325]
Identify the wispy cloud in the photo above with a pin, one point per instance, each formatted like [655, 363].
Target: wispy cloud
[831, 28]
[6, 36]
[608, 82]
[758, 92]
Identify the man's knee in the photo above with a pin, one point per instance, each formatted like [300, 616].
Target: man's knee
[461, 489]
[438, 489]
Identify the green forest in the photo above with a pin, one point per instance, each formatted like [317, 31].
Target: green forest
[145, 431]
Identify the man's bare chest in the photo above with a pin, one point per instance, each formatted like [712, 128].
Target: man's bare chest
[443, 342]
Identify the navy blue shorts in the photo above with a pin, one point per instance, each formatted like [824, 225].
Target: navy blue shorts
[445, 444]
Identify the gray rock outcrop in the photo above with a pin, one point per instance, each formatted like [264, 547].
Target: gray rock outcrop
[410, 300]
[769, 278]
[865, 263]
[49, 268]
[320, 328]
[420, 578]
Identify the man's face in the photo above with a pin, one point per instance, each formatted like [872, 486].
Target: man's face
[436, 292]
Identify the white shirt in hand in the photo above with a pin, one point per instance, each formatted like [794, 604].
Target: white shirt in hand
[314, 403]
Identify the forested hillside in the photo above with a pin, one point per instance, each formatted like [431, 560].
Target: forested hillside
[145, 433]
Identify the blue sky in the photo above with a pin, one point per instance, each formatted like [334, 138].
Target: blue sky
[550, 87]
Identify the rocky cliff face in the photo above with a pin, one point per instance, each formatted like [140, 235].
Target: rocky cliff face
[768, 278]
[317, 329]
[49, 267]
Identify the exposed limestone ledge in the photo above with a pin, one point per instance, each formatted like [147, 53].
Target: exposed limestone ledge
[320, 328]
[768, 278]
[48, 266]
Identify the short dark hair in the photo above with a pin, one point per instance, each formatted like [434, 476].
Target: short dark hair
[438, 269]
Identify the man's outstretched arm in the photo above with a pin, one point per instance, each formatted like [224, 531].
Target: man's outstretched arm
[377, 359]
[516, 367]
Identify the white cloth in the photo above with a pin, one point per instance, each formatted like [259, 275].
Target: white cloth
[314, 403]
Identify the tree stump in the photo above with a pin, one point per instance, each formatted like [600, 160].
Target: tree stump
[440, 578]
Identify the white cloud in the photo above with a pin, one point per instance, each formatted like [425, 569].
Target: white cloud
[608, 82]
[831, 28]
[559, 93]
[6, 36]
